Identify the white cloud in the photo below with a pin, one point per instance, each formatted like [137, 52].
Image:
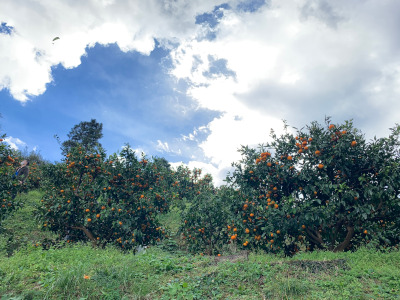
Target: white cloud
[299, 61]
[296, 60]
[15, 143]
[28, 53]
[164, 147]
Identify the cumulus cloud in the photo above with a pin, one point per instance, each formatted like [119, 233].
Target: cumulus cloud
[28, 52]
[255, 62]
[164, 147]
[294, 60]
[15, 143]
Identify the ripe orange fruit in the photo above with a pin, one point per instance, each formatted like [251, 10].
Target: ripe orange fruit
[289, 157]
[87, 209]
[303, 226]
[365, 231]
[331, 126]
[89, 220]
[317, 152]
[353, 143]
[233, 237]
[320, 166]
[98, 216]
[278, 232]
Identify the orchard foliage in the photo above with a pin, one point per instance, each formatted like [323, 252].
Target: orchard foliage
[106, 200]
[84, 134]
[207, 217]
[319, 187]
[186, 184]
[324, 187]
[9, 186]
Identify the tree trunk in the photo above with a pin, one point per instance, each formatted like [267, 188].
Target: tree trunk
[347, 240]
[88, 234]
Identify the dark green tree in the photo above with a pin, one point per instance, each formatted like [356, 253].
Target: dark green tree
[85, 134]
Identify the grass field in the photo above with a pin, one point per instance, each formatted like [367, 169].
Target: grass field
[167, 272]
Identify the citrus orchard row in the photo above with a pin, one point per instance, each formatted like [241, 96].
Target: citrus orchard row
[321, 187]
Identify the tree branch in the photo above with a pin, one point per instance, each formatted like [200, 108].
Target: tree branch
[315, 237]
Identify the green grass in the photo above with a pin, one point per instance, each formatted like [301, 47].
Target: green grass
[22, 228]
[157, 274]
[161, 272]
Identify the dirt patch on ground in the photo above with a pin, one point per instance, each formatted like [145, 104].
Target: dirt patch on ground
[244, 255]
[316, 266]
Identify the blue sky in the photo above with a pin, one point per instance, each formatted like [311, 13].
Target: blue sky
[192, 81]
[128, 92]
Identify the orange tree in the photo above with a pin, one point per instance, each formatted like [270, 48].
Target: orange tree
[208, 213]
[105, 200]
[186, 184]
[325, 187]
[9, 186]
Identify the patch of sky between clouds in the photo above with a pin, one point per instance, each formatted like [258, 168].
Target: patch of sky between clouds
[218, 67]
[5, 29]
[251, 6]
[210, 20]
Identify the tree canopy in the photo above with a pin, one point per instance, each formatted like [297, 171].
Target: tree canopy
[84, 134]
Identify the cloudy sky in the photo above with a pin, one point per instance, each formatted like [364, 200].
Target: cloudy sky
[191, 81]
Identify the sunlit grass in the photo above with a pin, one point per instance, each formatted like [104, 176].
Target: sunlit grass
[79, 271]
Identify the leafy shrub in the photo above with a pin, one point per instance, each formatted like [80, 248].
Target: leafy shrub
[9, 186]
[325, 187]
[106, 200]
